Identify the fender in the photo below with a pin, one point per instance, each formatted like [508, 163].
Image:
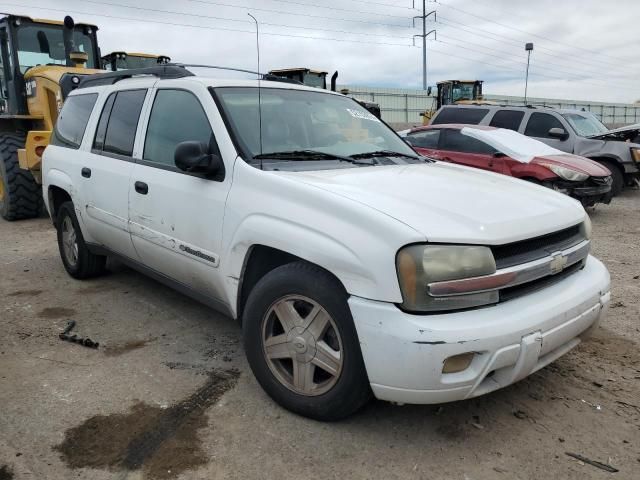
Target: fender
[300, 240]
[60, 179]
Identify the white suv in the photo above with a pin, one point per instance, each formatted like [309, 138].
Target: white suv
[355, 266]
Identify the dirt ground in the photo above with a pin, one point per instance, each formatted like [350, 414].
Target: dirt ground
[169, 395]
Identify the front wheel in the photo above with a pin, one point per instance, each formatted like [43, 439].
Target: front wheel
[302, 344]
[78, 261]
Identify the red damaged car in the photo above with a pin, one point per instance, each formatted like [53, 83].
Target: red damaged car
[510, 153]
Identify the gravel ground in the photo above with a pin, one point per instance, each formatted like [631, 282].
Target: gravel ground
[169, 395]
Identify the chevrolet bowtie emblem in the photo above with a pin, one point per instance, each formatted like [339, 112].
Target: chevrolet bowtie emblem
[558, 263]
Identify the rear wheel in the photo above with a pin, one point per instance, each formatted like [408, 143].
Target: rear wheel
[302, 345]
[20, 195]
[78, 261]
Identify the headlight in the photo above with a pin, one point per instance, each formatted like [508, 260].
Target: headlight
[566, 173]
[586, 227]
[420, 265]
[635, 154]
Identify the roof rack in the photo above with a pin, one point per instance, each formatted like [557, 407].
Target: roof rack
[168, 71]
[109, 78]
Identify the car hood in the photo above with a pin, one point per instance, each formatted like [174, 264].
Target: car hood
[451, 203]
[622, 133]
[575, 162]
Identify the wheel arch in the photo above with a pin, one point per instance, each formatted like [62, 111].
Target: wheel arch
[258, 262]
[56, 196]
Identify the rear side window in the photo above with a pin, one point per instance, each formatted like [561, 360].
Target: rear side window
[424, 139]
[540, 124]
[471, 116]
[101, 130]
[116, 130]
[455, 141]
[176, 117]
[73, 120]
[510, 119]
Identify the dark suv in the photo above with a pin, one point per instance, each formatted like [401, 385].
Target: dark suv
[572, 131]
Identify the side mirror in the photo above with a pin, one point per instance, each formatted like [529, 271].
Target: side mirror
[194, 157]
[559, 133]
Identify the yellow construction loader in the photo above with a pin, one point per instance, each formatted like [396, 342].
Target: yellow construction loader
[115, 61]
[454, 92]
[41, 61]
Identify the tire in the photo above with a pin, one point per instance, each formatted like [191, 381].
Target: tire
[617, 177]
[20, 195]
[303, 287]
[83, 264]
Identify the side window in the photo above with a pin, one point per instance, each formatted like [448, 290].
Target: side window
[123, 121]
[73, 120]
[510, 119]
[424, 139]
[176, 116]
[455, 141]
[540, 124]
[101, 130]
[460, 115]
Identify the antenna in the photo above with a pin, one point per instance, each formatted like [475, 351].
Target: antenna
[259, 86]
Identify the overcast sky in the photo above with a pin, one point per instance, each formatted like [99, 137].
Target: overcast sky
[583, 49]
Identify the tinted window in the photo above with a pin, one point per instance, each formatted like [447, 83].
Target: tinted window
[460, 115]
[176, 116]
[540, 124]
[457, 142]
[424, 139]
[73, 119]
[507, 119]
[101, 130]
[123, 121]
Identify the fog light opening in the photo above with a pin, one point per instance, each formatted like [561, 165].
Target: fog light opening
[457, 363]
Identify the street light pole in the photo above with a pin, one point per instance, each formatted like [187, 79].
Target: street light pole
[529, 48]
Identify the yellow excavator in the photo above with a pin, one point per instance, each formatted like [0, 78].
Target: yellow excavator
[115, 61]
[454, 92]
[41, 61]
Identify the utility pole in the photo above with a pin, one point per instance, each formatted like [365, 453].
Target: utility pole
[529, 48]
[424, 36]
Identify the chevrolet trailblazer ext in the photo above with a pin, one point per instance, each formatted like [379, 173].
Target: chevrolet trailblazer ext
[354, 265]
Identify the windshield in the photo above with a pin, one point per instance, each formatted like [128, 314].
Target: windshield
[303, 120]
[462, 92]
[131, 61]
[585, 125]
[40, 44]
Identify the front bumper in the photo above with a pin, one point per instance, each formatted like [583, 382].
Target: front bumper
[404, 354]
[592, 191]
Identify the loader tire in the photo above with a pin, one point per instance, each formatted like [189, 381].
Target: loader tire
[20, 195]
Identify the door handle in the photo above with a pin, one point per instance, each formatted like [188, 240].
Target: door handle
[86, 172]
[142, 188]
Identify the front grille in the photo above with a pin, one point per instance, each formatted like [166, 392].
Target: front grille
[535, 248]
[601, 180]
[539, 284]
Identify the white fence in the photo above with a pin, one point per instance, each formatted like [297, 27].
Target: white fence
[403, 106]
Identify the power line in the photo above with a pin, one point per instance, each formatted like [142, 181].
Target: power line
[541, 74]
[557, 67]
[292, 2]
[208, 27]
[282, 12]
[528, 33]
[199, 15]
[502, 38]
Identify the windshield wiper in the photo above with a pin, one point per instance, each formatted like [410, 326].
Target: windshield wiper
[308, 155]
[383, 153]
